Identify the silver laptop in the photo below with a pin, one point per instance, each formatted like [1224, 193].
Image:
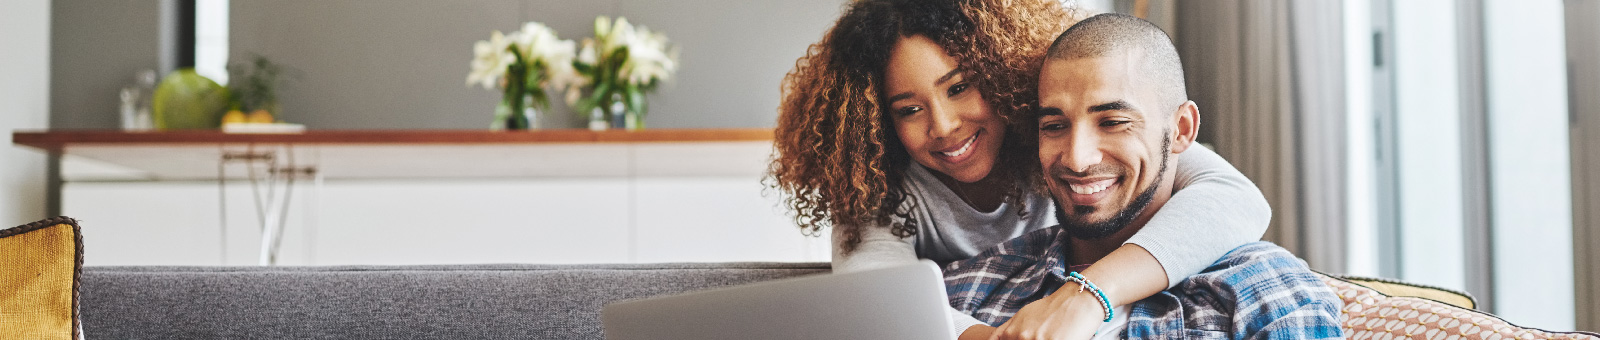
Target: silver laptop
[901, 302]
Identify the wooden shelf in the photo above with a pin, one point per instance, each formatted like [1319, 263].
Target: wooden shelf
[55, 140]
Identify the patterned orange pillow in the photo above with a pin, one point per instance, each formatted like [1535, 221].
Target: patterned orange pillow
[1369, 314]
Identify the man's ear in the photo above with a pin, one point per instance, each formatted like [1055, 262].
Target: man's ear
[1186, 126]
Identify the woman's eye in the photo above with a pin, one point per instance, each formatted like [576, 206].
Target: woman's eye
[1052, 126]
[958, 88]
[907, 111]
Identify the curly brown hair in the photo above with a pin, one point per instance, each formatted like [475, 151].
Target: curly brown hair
[838, 158]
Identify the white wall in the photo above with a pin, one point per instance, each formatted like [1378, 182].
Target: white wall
[1529, 162]
[24, 104]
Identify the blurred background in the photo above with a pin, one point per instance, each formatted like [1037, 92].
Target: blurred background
[1449, 143]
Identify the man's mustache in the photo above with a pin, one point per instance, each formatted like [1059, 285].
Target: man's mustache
[1097, 170]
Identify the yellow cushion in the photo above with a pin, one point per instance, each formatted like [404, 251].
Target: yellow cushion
[39, 265]
[1394, 288]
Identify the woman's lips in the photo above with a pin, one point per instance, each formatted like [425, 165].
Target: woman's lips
[961, 152]
[1089, 192]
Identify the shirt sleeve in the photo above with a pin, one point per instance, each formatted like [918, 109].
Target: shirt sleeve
[1276, 295]
[1213, 209]
[959, 322]
[879, 248]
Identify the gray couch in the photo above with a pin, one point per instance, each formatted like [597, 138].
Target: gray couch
[387, 302]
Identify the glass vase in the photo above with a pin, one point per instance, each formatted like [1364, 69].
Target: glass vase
[623, 116]
[515, 113]
[530, 113]
[618, 112]
[597, 120]
[632, 121]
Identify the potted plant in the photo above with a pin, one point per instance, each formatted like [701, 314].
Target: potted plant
[523, 64]
[254, 89]
[618, 67]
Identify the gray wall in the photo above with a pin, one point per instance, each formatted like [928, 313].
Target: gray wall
[96, 46]
[403, 64]
[24, 90]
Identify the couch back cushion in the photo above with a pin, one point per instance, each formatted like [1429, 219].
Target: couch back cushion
[411, 302]
[1371, 314]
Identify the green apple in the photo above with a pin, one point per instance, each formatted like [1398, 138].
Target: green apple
[187, 100]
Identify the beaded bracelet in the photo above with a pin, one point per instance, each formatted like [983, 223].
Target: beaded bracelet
[1083, 283]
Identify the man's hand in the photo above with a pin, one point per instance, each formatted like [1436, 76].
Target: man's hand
[1066, 314]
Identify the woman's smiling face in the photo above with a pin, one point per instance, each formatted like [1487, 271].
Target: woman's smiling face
[941, 119]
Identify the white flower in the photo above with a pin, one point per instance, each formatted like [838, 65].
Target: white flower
[621, 34]
[648, 57]
[490, 60]
[610, 34]
[539, 45]
[602, 26]
[540, 50]
[586, 54]
[558, 64]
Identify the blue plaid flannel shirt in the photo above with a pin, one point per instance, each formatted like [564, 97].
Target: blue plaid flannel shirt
[1256, 291]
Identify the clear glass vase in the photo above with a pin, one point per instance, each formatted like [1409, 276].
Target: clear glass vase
[530, 113]
[619, 112]
[624, 117]
[632, 121]
[597, 120]
[516, 114]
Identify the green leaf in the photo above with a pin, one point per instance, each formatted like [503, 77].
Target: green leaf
[540, 98]
[596, 99]
[636, 100]
[602, 93]
[620, 56]
[533, 78]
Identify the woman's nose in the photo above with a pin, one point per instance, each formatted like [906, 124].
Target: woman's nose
[945, 120]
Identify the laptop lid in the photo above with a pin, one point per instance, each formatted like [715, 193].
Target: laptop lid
[900, 302]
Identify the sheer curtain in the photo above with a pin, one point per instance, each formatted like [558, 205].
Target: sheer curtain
[1269, 79]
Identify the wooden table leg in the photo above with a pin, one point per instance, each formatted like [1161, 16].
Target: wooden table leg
[53, 183]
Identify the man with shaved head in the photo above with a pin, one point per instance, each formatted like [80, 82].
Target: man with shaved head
[1113, 115]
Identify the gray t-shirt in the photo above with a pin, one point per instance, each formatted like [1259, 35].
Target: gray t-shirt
[949, 229]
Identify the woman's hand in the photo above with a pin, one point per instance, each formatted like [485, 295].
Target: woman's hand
[1065, 314]
[977, 332]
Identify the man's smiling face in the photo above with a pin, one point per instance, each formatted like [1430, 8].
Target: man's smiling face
[1105, 139]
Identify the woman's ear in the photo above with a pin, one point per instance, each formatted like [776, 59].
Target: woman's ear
[1186, 127]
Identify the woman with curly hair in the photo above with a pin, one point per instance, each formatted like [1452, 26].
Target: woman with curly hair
[905, 130]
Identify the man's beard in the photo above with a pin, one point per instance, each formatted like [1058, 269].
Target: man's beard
[1085, 230]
